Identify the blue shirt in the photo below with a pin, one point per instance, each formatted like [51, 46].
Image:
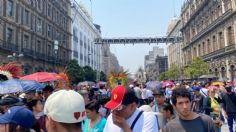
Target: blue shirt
[97, 128]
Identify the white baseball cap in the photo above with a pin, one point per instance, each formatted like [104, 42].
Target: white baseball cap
[66, 106]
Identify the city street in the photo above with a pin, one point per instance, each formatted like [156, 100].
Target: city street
[117, 65]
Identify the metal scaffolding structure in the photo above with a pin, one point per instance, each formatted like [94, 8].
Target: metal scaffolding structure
[172, 39]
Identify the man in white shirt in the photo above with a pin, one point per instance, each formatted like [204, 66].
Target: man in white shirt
[125, 116]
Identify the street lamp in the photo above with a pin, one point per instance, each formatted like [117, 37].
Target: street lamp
[56, 47]
[14, 56]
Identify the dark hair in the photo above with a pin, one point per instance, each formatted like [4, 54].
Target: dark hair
[228, 88]
[32, 103]
[12, 128]
[180, 92]
[93, 105]
[168, 107]
[129, 97]
[48, 88]
[68, 126]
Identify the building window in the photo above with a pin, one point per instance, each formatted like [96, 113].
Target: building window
[221, 40]
[49, 10]
[208, 46]
[39, 26]
[230, 34]
[9, 35]
[85, 45]
[10, 8]
[39, 46]
[49, 31]
[49, 50]
[199, 50]
[26, 18]
[39, 4]
[214, 47]
[25, 42]
[194, 51]
[203, 48]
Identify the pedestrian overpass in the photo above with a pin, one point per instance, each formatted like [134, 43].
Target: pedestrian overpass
[151, 40]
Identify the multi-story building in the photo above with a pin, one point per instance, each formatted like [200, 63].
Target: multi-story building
[38, 29]
[209, 28]
[150, 66]
[84, 33]
[151, 57]
[174, 50]
[162, 63]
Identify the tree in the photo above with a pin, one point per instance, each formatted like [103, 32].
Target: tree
[90, 74]
[197, 68]
[174, 72]
[103, 76]
[163, 76]
[75, 72]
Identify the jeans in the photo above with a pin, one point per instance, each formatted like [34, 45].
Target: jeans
[231, 119]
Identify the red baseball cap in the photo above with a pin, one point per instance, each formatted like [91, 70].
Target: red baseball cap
[117, 96]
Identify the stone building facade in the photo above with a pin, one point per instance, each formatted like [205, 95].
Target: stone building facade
[209, 28]
[38, 29]
[174, 50]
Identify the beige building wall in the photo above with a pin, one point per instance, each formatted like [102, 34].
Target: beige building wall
[174, 50]
[209, 29]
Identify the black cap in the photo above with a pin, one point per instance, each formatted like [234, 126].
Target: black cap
[11, 101]
[158, 92]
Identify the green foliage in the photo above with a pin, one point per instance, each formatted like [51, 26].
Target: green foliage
[163, 76]
[75, 72]
[90, 74]
[173, 72]
[103, 76]
[197, 68]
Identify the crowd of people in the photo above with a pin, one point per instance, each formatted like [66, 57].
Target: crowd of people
[179, 107]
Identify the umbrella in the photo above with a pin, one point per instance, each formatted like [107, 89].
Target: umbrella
[14, 85]
[30, 85]
[152, 85]
[42, 77]
[102, 83]
[208, 76]
[218, 83]
[167, 83]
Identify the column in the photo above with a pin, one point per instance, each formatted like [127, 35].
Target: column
[226, 36]
[228, 74]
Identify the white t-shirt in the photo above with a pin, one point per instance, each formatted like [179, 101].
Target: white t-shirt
[146, 123]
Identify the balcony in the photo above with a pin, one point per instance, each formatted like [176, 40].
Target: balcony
[40, 56]
[210, 27]
[8, 46]
[221, 52]
[28, 52]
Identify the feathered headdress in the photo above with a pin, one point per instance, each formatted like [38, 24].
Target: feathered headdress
[10, 71]
[64, 81]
